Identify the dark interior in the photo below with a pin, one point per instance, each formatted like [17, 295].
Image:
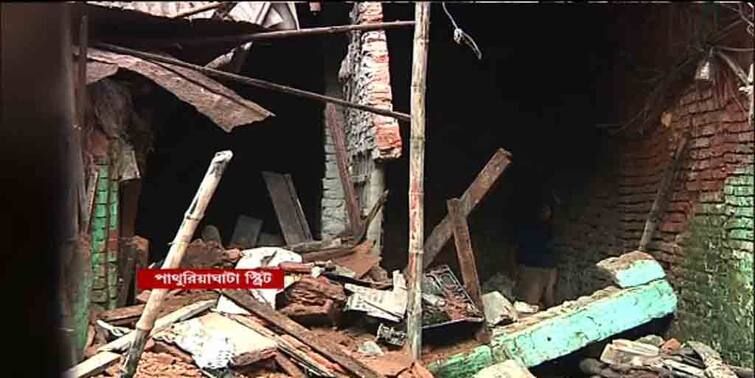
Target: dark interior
[290, 142]
[539, 91]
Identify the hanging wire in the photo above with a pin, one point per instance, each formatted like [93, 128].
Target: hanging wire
[460, 36]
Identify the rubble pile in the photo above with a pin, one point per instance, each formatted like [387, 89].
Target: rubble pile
[652, 356]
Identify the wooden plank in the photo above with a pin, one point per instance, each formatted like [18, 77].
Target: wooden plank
[93, 366]
[336, 127]
[287, 207]
[315, 342]
[469, 200]
[467, 263]
[246, 232]
[127, 267]
[288, 366]
[301, 357]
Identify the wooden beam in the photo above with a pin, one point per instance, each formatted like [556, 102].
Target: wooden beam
[663, 191]
[467, 264]
[193, 216]
[252, 81]
[93, 366]
[336, 127]
[304, 335]
[244, 38]
[193, 11]
[471, 197]
[287, 208]
[417, 178]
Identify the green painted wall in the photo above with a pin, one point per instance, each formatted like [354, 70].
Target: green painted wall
[104, 225]
[716, 295]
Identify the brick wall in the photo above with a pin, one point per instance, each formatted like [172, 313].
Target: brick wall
[704, 239]
[365, 79]
[104, 238]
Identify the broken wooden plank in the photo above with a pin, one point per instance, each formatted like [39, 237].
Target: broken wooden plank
[471, 197]
[93, 366]
[299, 356]
[632, 269]
[315, 245]
[120, 344]
[246, 232]
[376, 207]
[467, 263]
[288, 366]
[304, 335]
[566, 328]
[122, 315]
[287, 207]
[336, 127]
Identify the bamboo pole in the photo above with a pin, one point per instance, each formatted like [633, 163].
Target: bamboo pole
[416, 177]
[244, 38]
[193, 216]
[252, 81]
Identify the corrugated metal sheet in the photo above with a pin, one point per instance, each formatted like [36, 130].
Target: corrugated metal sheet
[263, 13]
[219, 103]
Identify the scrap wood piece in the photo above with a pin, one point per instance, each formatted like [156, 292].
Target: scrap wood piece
[132, 250]
[336, 127]
[376, 207]
[467, 263]
[246, 232]
[302, 334]
[219, 103]
[632, 269]
[476, 191]
[714, 365]
[288, 366]
[299, 356]
[390, 364]
[316, 245]
[120, 344]
[336, 252]
[287, 207]
[93, 366]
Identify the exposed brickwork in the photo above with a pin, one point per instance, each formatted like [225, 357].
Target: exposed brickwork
[365, 78]
[704, 239]
[104, 238]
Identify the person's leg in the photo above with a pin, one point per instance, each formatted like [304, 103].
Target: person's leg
[530, 285]
[550, 288]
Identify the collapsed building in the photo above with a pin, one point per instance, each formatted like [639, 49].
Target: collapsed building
[643, 148]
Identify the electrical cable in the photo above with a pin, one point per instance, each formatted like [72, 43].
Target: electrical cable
[460, 36]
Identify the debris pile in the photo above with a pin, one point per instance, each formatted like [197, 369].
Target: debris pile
[652, 356]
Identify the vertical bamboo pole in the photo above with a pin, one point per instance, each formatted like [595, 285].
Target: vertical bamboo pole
[193, 216]
[416, 176]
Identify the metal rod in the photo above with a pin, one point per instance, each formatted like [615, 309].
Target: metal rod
[416, 177]
[244, 38]
[252, 81]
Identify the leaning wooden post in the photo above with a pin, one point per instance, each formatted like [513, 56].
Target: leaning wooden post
[416, 177]
[194, 214]
[662, 194]
[467, 263]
